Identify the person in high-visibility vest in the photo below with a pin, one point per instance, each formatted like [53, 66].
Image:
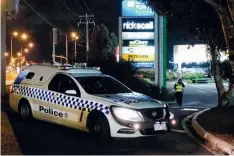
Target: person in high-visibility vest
[179, 88]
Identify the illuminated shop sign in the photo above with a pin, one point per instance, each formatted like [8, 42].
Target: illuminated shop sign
[138, 54]
[138, 43]
[138, 24]
[137, 35]
[136, 8]
[131, 25]
[144, 64]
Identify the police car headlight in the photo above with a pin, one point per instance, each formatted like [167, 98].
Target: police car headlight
[127, 114]
[172, 116]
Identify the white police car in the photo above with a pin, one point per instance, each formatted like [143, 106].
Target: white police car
[86, 99]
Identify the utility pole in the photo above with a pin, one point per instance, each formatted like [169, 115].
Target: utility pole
[66, 49]
[87, 19]
[21, 55]
[75, 51]
[54, 42]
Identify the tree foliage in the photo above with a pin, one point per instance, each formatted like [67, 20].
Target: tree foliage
[103, 44]
[201, 19]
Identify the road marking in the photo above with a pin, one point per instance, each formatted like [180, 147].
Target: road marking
[190, 109]
[203, 88]
[201, 91]
[177, 130]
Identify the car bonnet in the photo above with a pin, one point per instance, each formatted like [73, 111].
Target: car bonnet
[133, 100]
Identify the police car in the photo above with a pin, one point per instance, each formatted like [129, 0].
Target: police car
[87, 100]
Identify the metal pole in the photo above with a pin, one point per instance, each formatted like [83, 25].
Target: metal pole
[21, 53]
[66, 49]
[11, 48]
[54, 42]
[3, 46]
[87, 35]
[75, 51]
[11, 55]
[156, 58]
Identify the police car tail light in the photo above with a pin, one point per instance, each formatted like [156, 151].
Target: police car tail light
[127, 114]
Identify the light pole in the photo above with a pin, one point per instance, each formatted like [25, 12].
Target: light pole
[75, 37]
[15, 34]
[66, 49]
[23, 37]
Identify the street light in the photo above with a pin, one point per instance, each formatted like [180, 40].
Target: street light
[31, 45]
[26, 50]
[24, 36]
[15, 33]
[75, 37]
[6, 54]
[19, 54]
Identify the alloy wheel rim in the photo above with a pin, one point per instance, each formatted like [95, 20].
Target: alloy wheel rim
[24, 111]
[97, 128]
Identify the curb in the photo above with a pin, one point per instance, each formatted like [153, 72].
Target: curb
[216, 142]
[183, 123]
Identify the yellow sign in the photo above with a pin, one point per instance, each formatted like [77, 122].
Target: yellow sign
[138, 57]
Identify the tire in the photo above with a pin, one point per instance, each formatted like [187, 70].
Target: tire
[99, 127]
[25, 110]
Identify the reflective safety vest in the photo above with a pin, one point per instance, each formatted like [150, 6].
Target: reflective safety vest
[179, 87]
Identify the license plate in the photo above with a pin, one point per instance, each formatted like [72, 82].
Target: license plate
[160, 126]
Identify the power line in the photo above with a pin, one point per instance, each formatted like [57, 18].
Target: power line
[66, 20]
[68, 8]
[87, 7]
[70, 11]
[79, 6]
[38, 13]
[82, 34]
[43, 18]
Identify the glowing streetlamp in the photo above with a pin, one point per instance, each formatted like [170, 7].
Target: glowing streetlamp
[24, 36]
[26, 50]
[31, 45]
[75, 37]
[19, 54]
[15, 33]
[6, 54]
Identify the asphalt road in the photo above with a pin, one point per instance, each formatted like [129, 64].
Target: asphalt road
[39, 137]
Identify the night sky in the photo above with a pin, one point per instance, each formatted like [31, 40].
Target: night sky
[105, 11]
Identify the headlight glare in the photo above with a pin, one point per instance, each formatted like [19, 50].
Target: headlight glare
[127, 114]
[172, 116]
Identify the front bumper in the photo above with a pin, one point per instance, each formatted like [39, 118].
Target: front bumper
[128, 129]
[145, 128]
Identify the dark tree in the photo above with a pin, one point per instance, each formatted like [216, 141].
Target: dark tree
[103, 44]
[199, 17]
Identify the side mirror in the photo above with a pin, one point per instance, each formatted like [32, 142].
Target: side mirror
[71, 92]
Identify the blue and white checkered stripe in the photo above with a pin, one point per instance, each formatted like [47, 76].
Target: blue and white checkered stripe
[60, 99]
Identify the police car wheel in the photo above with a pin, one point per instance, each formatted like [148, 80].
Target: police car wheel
[25, 111]
[99, 127]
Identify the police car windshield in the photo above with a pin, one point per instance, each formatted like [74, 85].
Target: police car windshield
[102, 85]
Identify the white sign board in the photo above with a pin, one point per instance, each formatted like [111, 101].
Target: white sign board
[137, 35]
